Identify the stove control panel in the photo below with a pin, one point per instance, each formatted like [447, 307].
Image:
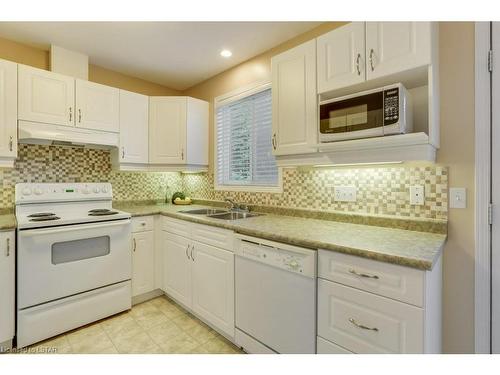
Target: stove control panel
[62, 192]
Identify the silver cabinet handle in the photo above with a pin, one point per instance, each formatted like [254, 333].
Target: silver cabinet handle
[187, 249]
[135, 244]
[354, 272]
[192, 249]
[273, 141]
[361, 326]
[371, 59]
[80, 114]
[70, 114]
[123, 152]
[11, 143]
[7, 252]
[357, 64]
[182, 154]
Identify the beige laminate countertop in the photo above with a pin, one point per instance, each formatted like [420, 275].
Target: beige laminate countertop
[7, 221]
[419, 250]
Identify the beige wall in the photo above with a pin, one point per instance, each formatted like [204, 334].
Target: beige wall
[39, 58]
[457, 152]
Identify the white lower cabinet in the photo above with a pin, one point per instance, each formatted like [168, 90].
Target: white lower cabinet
[199, 275]
[177, 268]
[143, 280]
[213, 285]
[366, 306]
[7, 288]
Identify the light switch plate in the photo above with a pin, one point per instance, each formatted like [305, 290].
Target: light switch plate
[345, 193]
[417, 195]
[458, 198]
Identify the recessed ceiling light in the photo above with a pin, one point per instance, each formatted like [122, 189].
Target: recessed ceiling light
[226, 53]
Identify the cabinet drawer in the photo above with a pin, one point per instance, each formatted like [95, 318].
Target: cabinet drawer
[143, 223]
[175, 226]
[326, 347]
[389, 280]
[366, 323]
[218, 237]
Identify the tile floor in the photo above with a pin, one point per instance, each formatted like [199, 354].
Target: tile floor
[155, 326]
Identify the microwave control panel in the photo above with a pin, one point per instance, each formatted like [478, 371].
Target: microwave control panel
[391, 106]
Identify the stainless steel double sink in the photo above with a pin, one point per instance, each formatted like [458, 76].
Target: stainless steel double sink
[220, 214]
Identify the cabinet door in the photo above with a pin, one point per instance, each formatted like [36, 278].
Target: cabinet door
[45, 96]
[143, 277]
[8, 109]
[294, 100]
[213, 286]
[134, 133]
[97, 106]
[177, 268]
[393, 47]
[341, 57]
[7, 285]
[167, 130]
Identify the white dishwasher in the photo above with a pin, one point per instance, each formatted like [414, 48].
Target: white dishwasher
[275, 297]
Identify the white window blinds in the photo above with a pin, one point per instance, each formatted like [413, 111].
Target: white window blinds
[244, 151]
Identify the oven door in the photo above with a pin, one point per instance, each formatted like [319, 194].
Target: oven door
[352, 117]
[61, 261]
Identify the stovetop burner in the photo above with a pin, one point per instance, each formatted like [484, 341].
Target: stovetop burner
[45, 218]
[99, 210]
[42, 214]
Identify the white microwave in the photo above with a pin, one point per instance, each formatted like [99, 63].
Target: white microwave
[373, 113]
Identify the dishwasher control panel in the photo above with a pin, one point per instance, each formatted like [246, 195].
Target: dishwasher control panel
[287, 257]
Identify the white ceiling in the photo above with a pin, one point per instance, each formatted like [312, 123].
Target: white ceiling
[175, 54]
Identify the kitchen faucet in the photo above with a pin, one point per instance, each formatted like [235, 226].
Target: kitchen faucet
[236, 206]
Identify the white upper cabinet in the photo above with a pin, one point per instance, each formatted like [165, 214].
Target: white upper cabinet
[393, 47]
[178, 130]
[98, 106]
[341, 57]
[294, 100]
[45, 96]
[134, 133]
[8, 112]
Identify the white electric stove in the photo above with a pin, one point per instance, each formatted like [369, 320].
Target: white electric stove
[73, 258]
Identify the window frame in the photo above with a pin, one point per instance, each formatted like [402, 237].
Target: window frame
[226, 98]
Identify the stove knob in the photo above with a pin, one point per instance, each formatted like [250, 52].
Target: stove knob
[38, 191]
[27, 191]
[86, 190]
[104, 189]
[96, 189]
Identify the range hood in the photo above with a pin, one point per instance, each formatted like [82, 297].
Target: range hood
[47, 134]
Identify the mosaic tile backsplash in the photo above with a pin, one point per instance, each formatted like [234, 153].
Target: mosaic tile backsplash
[380, 190]
[38, 163]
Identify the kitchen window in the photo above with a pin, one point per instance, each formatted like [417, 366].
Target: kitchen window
[244, 159]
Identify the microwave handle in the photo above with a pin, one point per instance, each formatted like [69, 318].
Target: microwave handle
[72, 228]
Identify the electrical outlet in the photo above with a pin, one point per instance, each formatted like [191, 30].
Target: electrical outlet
[345, 193]
[417, 195]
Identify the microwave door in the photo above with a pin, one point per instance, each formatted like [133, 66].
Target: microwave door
[358, 117]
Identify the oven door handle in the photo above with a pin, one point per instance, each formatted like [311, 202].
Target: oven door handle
[72, 228]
